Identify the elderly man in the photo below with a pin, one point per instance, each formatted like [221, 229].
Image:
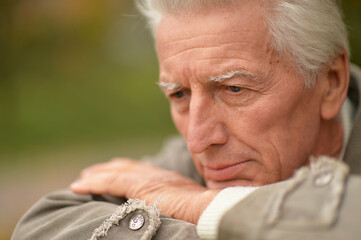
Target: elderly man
[258, 90]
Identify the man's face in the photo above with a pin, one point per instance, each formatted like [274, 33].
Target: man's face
[242, 109]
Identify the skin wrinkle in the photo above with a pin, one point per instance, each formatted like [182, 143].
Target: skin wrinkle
[262, 84]
[184, 38]
[187, 50]
[233, 54]
[201, 38]
[218, 58]
[191, 49]
[279, 167]
[292, 130]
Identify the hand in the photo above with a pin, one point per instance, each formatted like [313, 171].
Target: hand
[181, 197]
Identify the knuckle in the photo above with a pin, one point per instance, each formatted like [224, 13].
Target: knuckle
[110, 178]
[91, 169]
[115, 159]
[85, 172]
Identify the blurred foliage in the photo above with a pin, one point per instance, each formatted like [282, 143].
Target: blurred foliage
[76, 71]
[352, 15]
[85, 71]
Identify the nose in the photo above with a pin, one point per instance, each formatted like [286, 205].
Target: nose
[205, 125]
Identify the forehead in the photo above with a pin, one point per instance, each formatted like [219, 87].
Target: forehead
[240, 14]
[223, 36]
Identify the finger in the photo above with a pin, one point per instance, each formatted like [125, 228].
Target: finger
[97, 183]
[118, 163]
[107, 182]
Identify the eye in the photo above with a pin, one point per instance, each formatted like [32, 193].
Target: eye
[178, 94]
[234, 88]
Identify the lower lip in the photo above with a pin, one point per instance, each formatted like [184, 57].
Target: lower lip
[228, 173]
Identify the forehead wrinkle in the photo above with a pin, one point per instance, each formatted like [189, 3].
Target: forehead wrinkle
[185, 44]
[221, 36]
[184, 51]
[231, 74]
[169, 86]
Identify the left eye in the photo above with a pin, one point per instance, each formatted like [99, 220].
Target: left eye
[234, 88]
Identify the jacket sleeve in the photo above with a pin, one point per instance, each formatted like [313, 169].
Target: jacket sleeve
[65, 215]
[319, 202]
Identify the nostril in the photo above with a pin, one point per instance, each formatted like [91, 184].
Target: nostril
[196, 144]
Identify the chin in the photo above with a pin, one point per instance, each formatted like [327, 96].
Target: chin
[231, 183]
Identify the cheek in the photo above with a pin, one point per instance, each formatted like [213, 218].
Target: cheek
[257, 120]
[281, 129]
[272, 110]
[180, 121]
[286, 134]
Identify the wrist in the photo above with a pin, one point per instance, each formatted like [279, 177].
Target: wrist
[201, 203]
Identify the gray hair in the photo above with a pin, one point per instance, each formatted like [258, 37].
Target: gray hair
[311, 32]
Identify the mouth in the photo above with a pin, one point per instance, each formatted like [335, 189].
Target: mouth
[228, 172]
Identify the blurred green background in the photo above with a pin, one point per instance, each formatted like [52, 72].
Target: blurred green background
[78, 86]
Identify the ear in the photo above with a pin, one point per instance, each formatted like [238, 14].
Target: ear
[335, 81]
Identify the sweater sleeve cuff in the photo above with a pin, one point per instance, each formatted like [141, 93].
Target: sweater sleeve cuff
[207, 226]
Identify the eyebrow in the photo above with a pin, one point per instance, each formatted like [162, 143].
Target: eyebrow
[169, 86]
[231, 74]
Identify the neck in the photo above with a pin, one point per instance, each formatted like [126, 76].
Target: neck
[330, 140]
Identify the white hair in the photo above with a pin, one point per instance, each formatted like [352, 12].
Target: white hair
[311, 32]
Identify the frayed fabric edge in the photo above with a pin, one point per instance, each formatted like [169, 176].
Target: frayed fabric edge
[123, 210]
